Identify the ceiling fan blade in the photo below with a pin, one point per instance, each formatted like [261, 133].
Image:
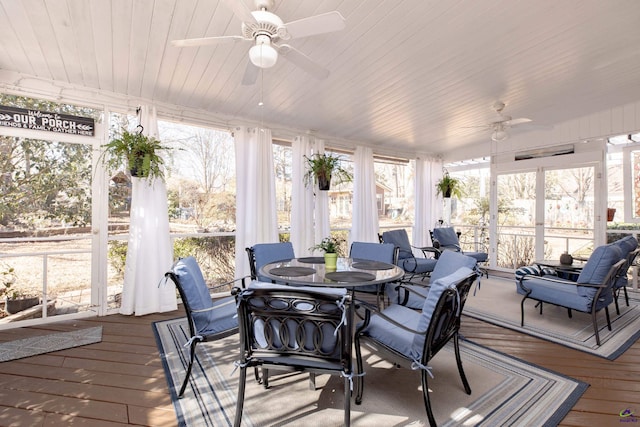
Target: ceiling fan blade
[516, 122]
[317, 24]
[241, 10]
[303, 61]
[206, 41]
[250, 74]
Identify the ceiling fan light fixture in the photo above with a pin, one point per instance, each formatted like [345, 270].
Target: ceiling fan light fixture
[263, 55]
[499, 135]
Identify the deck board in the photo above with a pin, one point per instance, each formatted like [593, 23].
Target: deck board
[120, 381]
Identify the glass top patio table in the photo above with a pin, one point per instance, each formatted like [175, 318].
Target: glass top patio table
[575, 267]
[350, 273]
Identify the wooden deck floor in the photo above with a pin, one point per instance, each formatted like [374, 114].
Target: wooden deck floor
[120, 381]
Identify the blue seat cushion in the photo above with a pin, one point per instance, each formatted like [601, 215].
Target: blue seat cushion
[597, 268]
[418, 265]
[222, 317]
[405, 342]
[556, 291]
[197, 294]
[391, 335]
[478, 256]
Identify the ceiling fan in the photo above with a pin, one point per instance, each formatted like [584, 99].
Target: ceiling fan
[501, 123]
[266, 30]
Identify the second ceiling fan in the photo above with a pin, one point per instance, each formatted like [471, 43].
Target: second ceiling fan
[501, 123]
[266, 31]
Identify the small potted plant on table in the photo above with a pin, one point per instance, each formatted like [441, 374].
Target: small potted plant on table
[331, 246]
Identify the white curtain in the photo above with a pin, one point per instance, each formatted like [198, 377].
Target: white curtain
[256, 217]
[302, 215]
[149, 251]
[321, 205]
[364, 223]
[428, 208]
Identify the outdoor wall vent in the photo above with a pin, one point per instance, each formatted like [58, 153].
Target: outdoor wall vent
[545, 152]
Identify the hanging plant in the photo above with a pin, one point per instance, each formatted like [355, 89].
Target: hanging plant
[449, 186]
[322, 168]
[136, 152]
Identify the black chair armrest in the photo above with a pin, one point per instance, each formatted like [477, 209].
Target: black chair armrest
[401, 286]
[428, 249]
[229, 283]
[388, 319]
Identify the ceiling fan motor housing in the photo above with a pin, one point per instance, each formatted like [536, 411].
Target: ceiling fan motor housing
[267, 24]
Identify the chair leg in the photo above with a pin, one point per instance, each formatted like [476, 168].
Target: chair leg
[626, 295]
[240, 402]
[359, 381]
[347, 402]
[425, 395]
[312, 381]
[595, 326]
[606, 312]
[465, 382]
[192, 355]
[522, 311]
[616, 294]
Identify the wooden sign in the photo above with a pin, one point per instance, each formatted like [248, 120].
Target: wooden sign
[51, 122]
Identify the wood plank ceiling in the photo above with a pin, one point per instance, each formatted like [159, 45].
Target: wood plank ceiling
[409, 74]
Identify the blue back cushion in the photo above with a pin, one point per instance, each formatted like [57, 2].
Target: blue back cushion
[381, 252]
[446, 236]
[194, 288]
[435, 291]
[266, 253]
[449, 262]
[597, 268]
[400, 239]
[626, 244]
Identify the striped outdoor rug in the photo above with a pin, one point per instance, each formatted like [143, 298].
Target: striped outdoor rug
[505, 390]
[32, 346]
[498, 302]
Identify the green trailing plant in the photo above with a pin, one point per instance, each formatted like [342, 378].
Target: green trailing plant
[329, 245]
[322, 168]
[136, 152]
[449, 186]
[8, 277]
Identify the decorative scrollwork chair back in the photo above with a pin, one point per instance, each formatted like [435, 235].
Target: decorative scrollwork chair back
[304, 329]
